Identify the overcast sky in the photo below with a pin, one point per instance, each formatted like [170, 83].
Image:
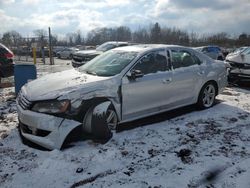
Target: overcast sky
[63, 16]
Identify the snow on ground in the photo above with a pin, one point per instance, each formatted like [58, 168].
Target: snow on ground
[209, 148]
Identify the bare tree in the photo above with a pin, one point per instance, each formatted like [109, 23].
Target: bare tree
[12, 38]
[155, 33]
[78, 38]
[70, 38]
[41, 35]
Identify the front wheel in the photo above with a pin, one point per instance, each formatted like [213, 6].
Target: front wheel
[101, 120]
[111, 119]
[207, 96]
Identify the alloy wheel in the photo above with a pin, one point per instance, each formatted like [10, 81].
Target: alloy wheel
[208, 96]
[112, 119]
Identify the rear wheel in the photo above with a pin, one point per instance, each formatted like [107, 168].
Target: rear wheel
[207, 96]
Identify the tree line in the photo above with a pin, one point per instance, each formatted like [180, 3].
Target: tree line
[153, 33]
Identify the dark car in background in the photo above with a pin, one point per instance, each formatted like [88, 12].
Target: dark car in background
[214, 52]
[83, 56]
[6, 62]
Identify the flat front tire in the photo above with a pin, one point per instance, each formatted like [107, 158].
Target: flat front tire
[207, 96]
[101, 120]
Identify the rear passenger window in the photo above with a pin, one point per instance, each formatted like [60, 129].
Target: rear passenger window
[183, 59]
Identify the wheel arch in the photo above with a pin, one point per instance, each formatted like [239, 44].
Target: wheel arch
[215, 84]
[204, 85]
[87, 104]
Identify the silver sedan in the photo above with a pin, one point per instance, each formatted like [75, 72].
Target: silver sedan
[118, 86]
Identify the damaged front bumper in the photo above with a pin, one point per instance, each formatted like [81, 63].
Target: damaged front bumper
[45, 130]
[239, 72]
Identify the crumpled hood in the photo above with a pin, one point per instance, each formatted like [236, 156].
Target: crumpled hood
[54, 85]
[237, 58]
[88, 52]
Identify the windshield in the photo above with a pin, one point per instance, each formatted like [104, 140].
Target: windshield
[246, 51]
[105, 47]
[109, 63]
[238, 50]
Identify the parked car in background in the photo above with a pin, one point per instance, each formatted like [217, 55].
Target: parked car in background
[83, 56]
[120, 85]
[240, 64]
[66, 53]
[6, 62]
[212, 51]
[57, 49]
[84, 47]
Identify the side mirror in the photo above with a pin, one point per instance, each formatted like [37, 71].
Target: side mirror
[135, 74]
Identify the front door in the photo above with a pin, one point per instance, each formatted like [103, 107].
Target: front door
[149, 93]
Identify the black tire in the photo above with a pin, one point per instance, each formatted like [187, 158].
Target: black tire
[101, 130]
[207, 96]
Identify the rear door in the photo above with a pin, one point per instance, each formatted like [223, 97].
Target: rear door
[187, 76]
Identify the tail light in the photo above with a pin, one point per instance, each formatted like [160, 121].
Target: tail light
[9, 55]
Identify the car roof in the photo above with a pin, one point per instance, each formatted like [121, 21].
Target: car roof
[145, 47]
[115, 42]
[209, 46]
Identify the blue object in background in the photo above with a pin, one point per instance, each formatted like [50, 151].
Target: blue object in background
[22, 74]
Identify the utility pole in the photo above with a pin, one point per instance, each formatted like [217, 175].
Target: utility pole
[51, 58]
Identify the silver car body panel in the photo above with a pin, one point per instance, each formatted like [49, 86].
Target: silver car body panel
[148, 95]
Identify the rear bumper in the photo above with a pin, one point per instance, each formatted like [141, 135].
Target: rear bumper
[45, 130]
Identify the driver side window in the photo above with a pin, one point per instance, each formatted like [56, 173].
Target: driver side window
[152, 63]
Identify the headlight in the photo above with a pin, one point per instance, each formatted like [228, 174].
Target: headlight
[52, 107]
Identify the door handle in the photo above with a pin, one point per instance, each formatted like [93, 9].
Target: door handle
[167, 80]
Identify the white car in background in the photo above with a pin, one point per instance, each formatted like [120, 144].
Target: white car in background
[66, 53]
[240, 64]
